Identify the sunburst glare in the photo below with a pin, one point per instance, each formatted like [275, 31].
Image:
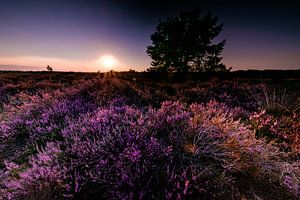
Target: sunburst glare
[108, 62]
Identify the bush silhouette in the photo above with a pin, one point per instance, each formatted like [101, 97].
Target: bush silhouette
[50, 69]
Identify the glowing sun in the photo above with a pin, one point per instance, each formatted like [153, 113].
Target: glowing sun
[108, 61]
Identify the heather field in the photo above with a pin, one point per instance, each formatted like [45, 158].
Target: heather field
[138, 136]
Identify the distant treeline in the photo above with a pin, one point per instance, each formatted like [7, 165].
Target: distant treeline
[187, 76]
[192, 76]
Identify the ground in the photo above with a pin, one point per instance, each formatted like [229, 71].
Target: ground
[149, 136]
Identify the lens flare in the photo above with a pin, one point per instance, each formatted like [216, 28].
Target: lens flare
[108, 61]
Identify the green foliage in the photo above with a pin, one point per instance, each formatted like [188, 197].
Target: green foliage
[184, 44]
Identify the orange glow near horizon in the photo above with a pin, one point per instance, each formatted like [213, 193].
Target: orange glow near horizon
[36, 63]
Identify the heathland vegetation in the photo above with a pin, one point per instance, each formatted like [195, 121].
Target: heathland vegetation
[125, 136]
[187, 129]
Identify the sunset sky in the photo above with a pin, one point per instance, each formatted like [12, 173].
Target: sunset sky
[74, 35]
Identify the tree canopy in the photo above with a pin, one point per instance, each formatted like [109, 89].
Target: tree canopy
[184, 44]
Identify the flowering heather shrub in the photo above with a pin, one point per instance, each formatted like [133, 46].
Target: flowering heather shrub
[230, 93]
[109, 139]
[37, 119]
[112, 150]
[140, 95]
[284, 129]
[43, 178]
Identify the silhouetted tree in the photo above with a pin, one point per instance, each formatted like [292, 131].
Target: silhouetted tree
[184, 44]
[50, 69]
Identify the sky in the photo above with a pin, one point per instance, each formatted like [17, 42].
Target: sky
[73, 35]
